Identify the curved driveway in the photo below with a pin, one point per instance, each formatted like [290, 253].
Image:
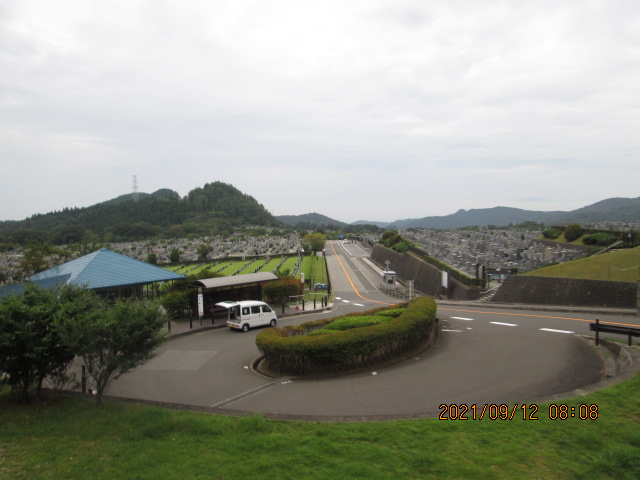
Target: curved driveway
[484, 355]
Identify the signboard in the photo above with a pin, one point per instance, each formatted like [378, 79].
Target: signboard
[200, 305]
[445, 279]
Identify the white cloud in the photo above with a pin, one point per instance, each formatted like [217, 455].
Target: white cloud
[296, 102]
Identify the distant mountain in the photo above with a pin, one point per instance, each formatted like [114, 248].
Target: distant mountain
[612, 210]
[371, 222]
[216, 208]
[306, 219]
[500, 216]
[129, 197]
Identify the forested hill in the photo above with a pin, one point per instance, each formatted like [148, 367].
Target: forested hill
[213, 209]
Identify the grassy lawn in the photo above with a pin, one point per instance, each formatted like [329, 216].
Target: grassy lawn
[620, 266]
[72, 438]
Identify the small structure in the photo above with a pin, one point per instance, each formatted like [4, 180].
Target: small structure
[389, 277]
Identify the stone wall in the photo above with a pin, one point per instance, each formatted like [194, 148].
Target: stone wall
[427, 278]
[566, 291]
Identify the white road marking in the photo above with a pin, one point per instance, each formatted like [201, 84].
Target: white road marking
[463, 318]
[358, 305]
[346, 301]
[557, 331]
[505, 324]
[448, 330]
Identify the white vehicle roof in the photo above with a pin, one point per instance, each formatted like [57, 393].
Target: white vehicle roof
[243, 303]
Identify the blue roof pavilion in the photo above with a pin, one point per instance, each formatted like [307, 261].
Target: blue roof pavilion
[106, 272]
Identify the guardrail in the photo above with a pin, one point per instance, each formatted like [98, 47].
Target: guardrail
[608, 328]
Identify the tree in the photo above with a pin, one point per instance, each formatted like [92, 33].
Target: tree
[175, 303]
[573, 232]
[174, 256]
[203, 251]
[152, 258]
[31, 348]
[113, 340]
[280, 290]
[315, 241]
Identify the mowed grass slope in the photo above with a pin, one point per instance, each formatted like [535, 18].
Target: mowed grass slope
[74, 439]
[619, 266]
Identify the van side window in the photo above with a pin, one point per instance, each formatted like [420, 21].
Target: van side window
[265, 308]
[245, 310]
[255, 309]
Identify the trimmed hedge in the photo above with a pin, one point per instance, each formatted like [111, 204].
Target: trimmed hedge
[291, 351]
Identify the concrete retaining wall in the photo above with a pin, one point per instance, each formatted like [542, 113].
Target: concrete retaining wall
[566, 291]
[427, 278]
[515, 289]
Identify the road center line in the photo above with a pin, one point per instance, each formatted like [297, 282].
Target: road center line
[351, 281]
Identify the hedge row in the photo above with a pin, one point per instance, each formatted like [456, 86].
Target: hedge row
[290, 351]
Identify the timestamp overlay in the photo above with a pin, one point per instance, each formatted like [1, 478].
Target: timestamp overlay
[517, 411]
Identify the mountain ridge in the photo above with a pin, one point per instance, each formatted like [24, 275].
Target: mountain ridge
[219, 208]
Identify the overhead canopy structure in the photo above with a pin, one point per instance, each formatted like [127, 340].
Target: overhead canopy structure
[105, 272]
[235, 287]
[236, 280]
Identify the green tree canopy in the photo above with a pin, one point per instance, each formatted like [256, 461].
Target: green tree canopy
[573, 232]
[113, 340]
[315, 241]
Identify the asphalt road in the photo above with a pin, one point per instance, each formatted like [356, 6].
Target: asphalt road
[485, 354]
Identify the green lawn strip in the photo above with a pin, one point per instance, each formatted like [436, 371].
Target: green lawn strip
[231, 267]
[75, 439]
[250, 267]
[200, 268]
[289, 264]
[620, 266]
[271, 265]
[318, 270]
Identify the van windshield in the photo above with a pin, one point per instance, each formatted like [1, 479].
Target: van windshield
[265, 308]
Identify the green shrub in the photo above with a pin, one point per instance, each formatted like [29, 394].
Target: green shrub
[322, 331]
[551, 233]
[602, 239]
[394, 312]
[573, 232]
[292, 350]
[400, 247]
[345, 323]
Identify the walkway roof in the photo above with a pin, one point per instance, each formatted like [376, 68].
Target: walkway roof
[219, 282]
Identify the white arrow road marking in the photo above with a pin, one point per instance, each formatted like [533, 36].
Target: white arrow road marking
[505, 324]
[557, 331]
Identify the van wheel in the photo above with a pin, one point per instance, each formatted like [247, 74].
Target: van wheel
[245, 327]
[273, 322]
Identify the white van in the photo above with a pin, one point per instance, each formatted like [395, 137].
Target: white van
[248, 314]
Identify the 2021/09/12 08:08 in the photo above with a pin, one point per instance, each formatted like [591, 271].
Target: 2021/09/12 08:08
[494, 411]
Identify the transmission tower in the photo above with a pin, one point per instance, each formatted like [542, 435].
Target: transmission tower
[135, 188]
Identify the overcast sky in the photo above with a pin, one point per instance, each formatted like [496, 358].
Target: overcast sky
[372, 109]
